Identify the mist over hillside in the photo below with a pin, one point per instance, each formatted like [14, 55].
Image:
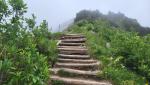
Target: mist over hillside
[115, 20]
[64, 25]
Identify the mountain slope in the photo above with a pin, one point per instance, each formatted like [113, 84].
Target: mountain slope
[118, 20]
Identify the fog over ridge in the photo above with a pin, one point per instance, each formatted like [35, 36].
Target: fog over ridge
[57, 12]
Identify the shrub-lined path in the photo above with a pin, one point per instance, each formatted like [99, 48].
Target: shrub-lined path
[74, 66]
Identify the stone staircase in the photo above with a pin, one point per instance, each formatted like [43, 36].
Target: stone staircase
[74, 66]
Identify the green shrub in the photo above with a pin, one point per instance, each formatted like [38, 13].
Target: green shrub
[22, 64]
[57, 82]
[25, 49]
[122, 76]
[56, 35]
[127, 52]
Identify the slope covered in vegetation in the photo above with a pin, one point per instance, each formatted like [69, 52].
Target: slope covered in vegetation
[116, 20]
[125, 55]
[26, 50]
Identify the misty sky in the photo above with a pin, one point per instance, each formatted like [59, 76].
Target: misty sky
[59, 11]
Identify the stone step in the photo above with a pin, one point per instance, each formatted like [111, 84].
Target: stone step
[74, 56]
[71, 44]
[76, 60]
[78, 81]
[82, 73]
[80, 40]
[79, 66]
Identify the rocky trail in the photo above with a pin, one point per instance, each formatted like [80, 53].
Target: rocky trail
[75, 66]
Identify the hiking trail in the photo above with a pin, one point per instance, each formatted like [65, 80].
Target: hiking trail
[75, 66]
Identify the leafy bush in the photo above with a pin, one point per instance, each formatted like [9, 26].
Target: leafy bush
[25, 48]
[57, 82]
[127, 52]
[45, 42]
[22, 63]
[122, 76]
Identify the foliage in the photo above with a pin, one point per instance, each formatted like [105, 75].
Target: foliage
[120, 51]
[122, 76]
[118, 20]
[25, 48]
[56, 35]
[57, 82]
[88, 15]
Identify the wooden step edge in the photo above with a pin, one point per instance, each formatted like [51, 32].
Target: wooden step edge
[72, 49]
[77, 60]
[75, 52]
[78, 81]
[73, 35]
[78, 64]
[71, 44]
[73, 41]
[74, 56]
[82, 47]
[80, 39]
[74, 71]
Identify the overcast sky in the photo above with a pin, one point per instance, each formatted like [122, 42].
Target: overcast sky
[59, 11]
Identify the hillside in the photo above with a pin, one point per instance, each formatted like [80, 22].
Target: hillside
[107, 49]
[117, 20]
[120, 51]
